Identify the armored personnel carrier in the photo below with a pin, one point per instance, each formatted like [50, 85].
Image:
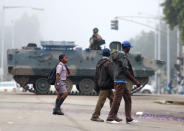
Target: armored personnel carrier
[31, 65]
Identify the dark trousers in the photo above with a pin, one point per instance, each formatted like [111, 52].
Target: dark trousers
[120, 91]
[103, 95]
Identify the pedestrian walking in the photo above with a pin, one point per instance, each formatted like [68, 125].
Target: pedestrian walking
[104, 84]
[61, 75]
[121, 66]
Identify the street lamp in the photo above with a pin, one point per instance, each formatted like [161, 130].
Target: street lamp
[2, 31]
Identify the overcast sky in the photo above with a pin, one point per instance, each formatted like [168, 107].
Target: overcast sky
[73, 20]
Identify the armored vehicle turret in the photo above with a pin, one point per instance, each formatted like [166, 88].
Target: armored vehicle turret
[31, 65]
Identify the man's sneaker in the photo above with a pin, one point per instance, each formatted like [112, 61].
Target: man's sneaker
[118, 119]
[112, 121]
[131, 121]
[97, 119]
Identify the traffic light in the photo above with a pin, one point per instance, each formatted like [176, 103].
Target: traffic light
[114, 24]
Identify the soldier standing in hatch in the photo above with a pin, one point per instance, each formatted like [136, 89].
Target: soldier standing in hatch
[96, 40]
[104, 84]
[122, 71]
[61, 74]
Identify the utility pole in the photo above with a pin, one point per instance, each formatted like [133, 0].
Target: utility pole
[155, 45]
[179, 60]
[2, 45]
[168, 55]
[156, 56]
[158, 73]
[178, 45]
[13, 34]
[159, 58]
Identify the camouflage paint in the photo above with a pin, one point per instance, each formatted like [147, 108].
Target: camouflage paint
[27, 65]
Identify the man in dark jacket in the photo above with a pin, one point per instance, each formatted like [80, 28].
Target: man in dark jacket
[122, 70]
[104, 83]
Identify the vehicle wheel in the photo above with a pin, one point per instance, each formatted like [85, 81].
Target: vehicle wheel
[69, 85]
[42, 86]
[86, 86]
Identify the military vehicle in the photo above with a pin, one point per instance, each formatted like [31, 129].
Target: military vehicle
[31, 65]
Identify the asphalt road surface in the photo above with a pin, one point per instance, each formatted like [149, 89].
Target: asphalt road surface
[29, 112]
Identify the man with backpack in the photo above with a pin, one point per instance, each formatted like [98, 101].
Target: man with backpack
[103, 84]
[122, 71]
[61, 74]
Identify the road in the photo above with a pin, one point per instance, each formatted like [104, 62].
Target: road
[29, 112]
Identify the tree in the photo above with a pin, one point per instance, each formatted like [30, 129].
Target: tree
[174, 14]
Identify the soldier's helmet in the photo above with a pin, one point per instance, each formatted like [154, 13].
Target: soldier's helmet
[106, 52]
[95, 30]
[127, 44]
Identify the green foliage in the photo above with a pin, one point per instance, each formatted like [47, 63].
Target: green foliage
[174, 14]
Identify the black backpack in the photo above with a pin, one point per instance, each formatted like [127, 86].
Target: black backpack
[98, 76]
[52, 76]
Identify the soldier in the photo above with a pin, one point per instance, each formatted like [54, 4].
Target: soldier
[61, 74]
[104, 83]
[96, 40]
[121, 68]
